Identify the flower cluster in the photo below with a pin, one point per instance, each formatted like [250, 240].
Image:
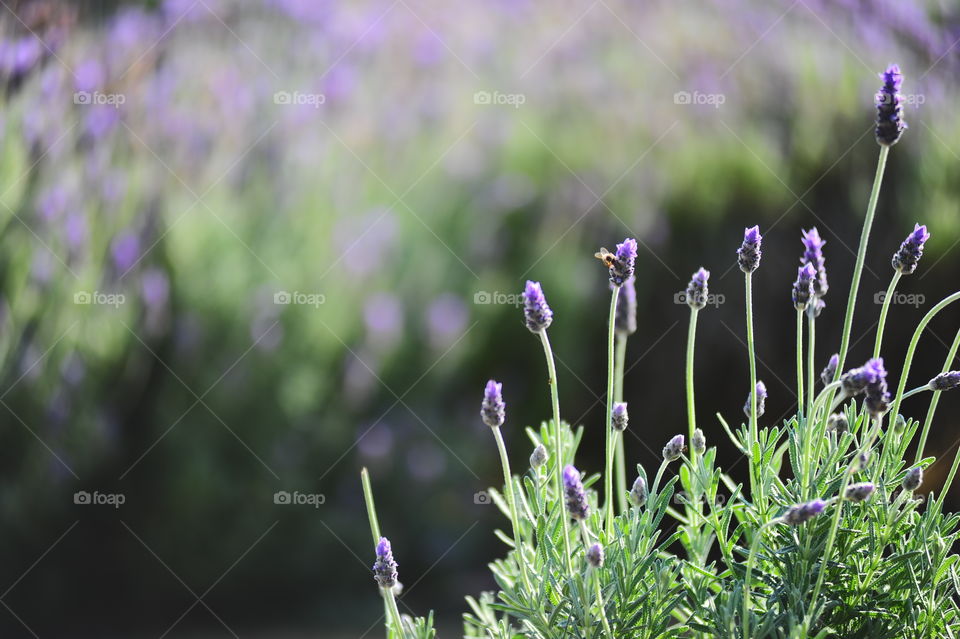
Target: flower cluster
[813, 255]
[761, 400]
[697, 291]
[493, 410]
[576, 497]
[621, 269]
[385, 568]
[890, 122]
[911, 250]
[748, 255]
[802, 513]
[536, 312]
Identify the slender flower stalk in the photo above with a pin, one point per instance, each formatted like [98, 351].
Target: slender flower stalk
[626, 325]
[748, 258]
[934, 401]
[538, 317]
[799, 362]
[811, 358]
[696, 294]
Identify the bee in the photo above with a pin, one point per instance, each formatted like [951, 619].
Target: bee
[605, 256]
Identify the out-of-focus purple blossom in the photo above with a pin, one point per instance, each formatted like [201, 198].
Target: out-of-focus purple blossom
[383, 317]
[100, 120]
[828, 373]
[576, 497]
[890, 122]
[155, 286]
[761, 400]
[877, 399]
[375, 441]
[125, 250]
[447, 318]
[697, 291]
[595, 555]
[856, 380]
[52, 203]
[19, 57]
[859, 492]
[945, 381]
[911, 250]
[802, 513]
[619, 417]
[493, 410]
[748, 255]
[426, 462]
[625, 320]
[813, 255]
[623, 263]
[372, 234]
[802, 291]
[536, 311]
[89, 76]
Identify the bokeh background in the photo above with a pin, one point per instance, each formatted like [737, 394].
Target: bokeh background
[252, 246]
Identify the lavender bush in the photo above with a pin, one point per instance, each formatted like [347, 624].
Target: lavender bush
[826, 539]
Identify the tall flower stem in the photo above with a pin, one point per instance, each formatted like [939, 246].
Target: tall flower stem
[883, 311]
[751, 561]
[861, 256]
[748, 294]
[394, 611]
[375, 530]
[928, 421]
[611, 435]
[800, 362]
[558, 454]
[620, 461]
[691, 408]
[811, 359]
[600, 604]
[512, 503]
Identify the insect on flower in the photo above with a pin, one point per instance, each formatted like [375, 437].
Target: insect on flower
[609, 259]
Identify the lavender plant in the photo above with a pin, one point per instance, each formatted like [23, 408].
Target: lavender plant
[828, 539]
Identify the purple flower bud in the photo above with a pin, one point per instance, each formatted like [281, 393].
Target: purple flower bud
[859, 492]
[837, 422]
[856, 380]
[638, 494]
[890, 122]
[913, 479]
[619, 417]
[674, 448]
[748, 255]
[493, 410]
[761, 400]
[826, 376]
[860, 463]
[813, 255]
[622, 267]
[595, 555]
[385, 568]
[625, 321]
[539, 456]
[803, 287]
[945, 381]
[576, 497]
[535, 310]
[802, 513]
[877, 400]
[697, 291]
[698, 442]
[900, 424]
[911, 250]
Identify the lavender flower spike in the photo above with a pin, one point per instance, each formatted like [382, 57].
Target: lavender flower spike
[877, 400]
[385, 568]
[945, 381]
[748, 255]
[595, 555]
[576, 497]
[856, 380]
[803, 287]
[826, 376]
[619, 417]
[625, 320]
[621, 269]
[859, 492]
[761, 400]
[813, 255]
[674, 448]
[638, 494]
[539, 456]
[802, 513]
[699, 442]
[890, 122]
[536, 312]
[911, 250]
[493, 410]
[913, 479]
[697, 291]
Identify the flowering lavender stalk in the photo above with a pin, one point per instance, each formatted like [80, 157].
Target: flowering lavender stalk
[911, 250]
[492, 408]
[802, 513]
[536, 311]
[748, 257]
[945, 381]
[890, 122]
[913, 479]
[813, 255]
[575, 496]
[830, 370]
[638, 493]
[859, 492]
[626, 323]
[539, 456]
[595, 555]
[674, 448]
[760, 393]
[621, 268]
[620, 417]
[803, 290]
[877, 399]
[385, 568]
[697, 292]
[698, 442]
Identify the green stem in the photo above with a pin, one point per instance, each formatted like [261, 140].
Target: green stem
[620, 461]
[928, 421]
[800, 362]
[949, 482]
[908, 360]
[861, 256]
[394, 611]
[811, 332]
[600, 604]
[754, 437]
[751, 560]
[883, 311]
[512, 503]
[610, 434]
[558, 454]
[691, 409]
[371, 509]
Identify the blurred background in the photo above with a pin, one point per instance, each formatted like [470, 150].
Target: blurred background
[251, 247]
